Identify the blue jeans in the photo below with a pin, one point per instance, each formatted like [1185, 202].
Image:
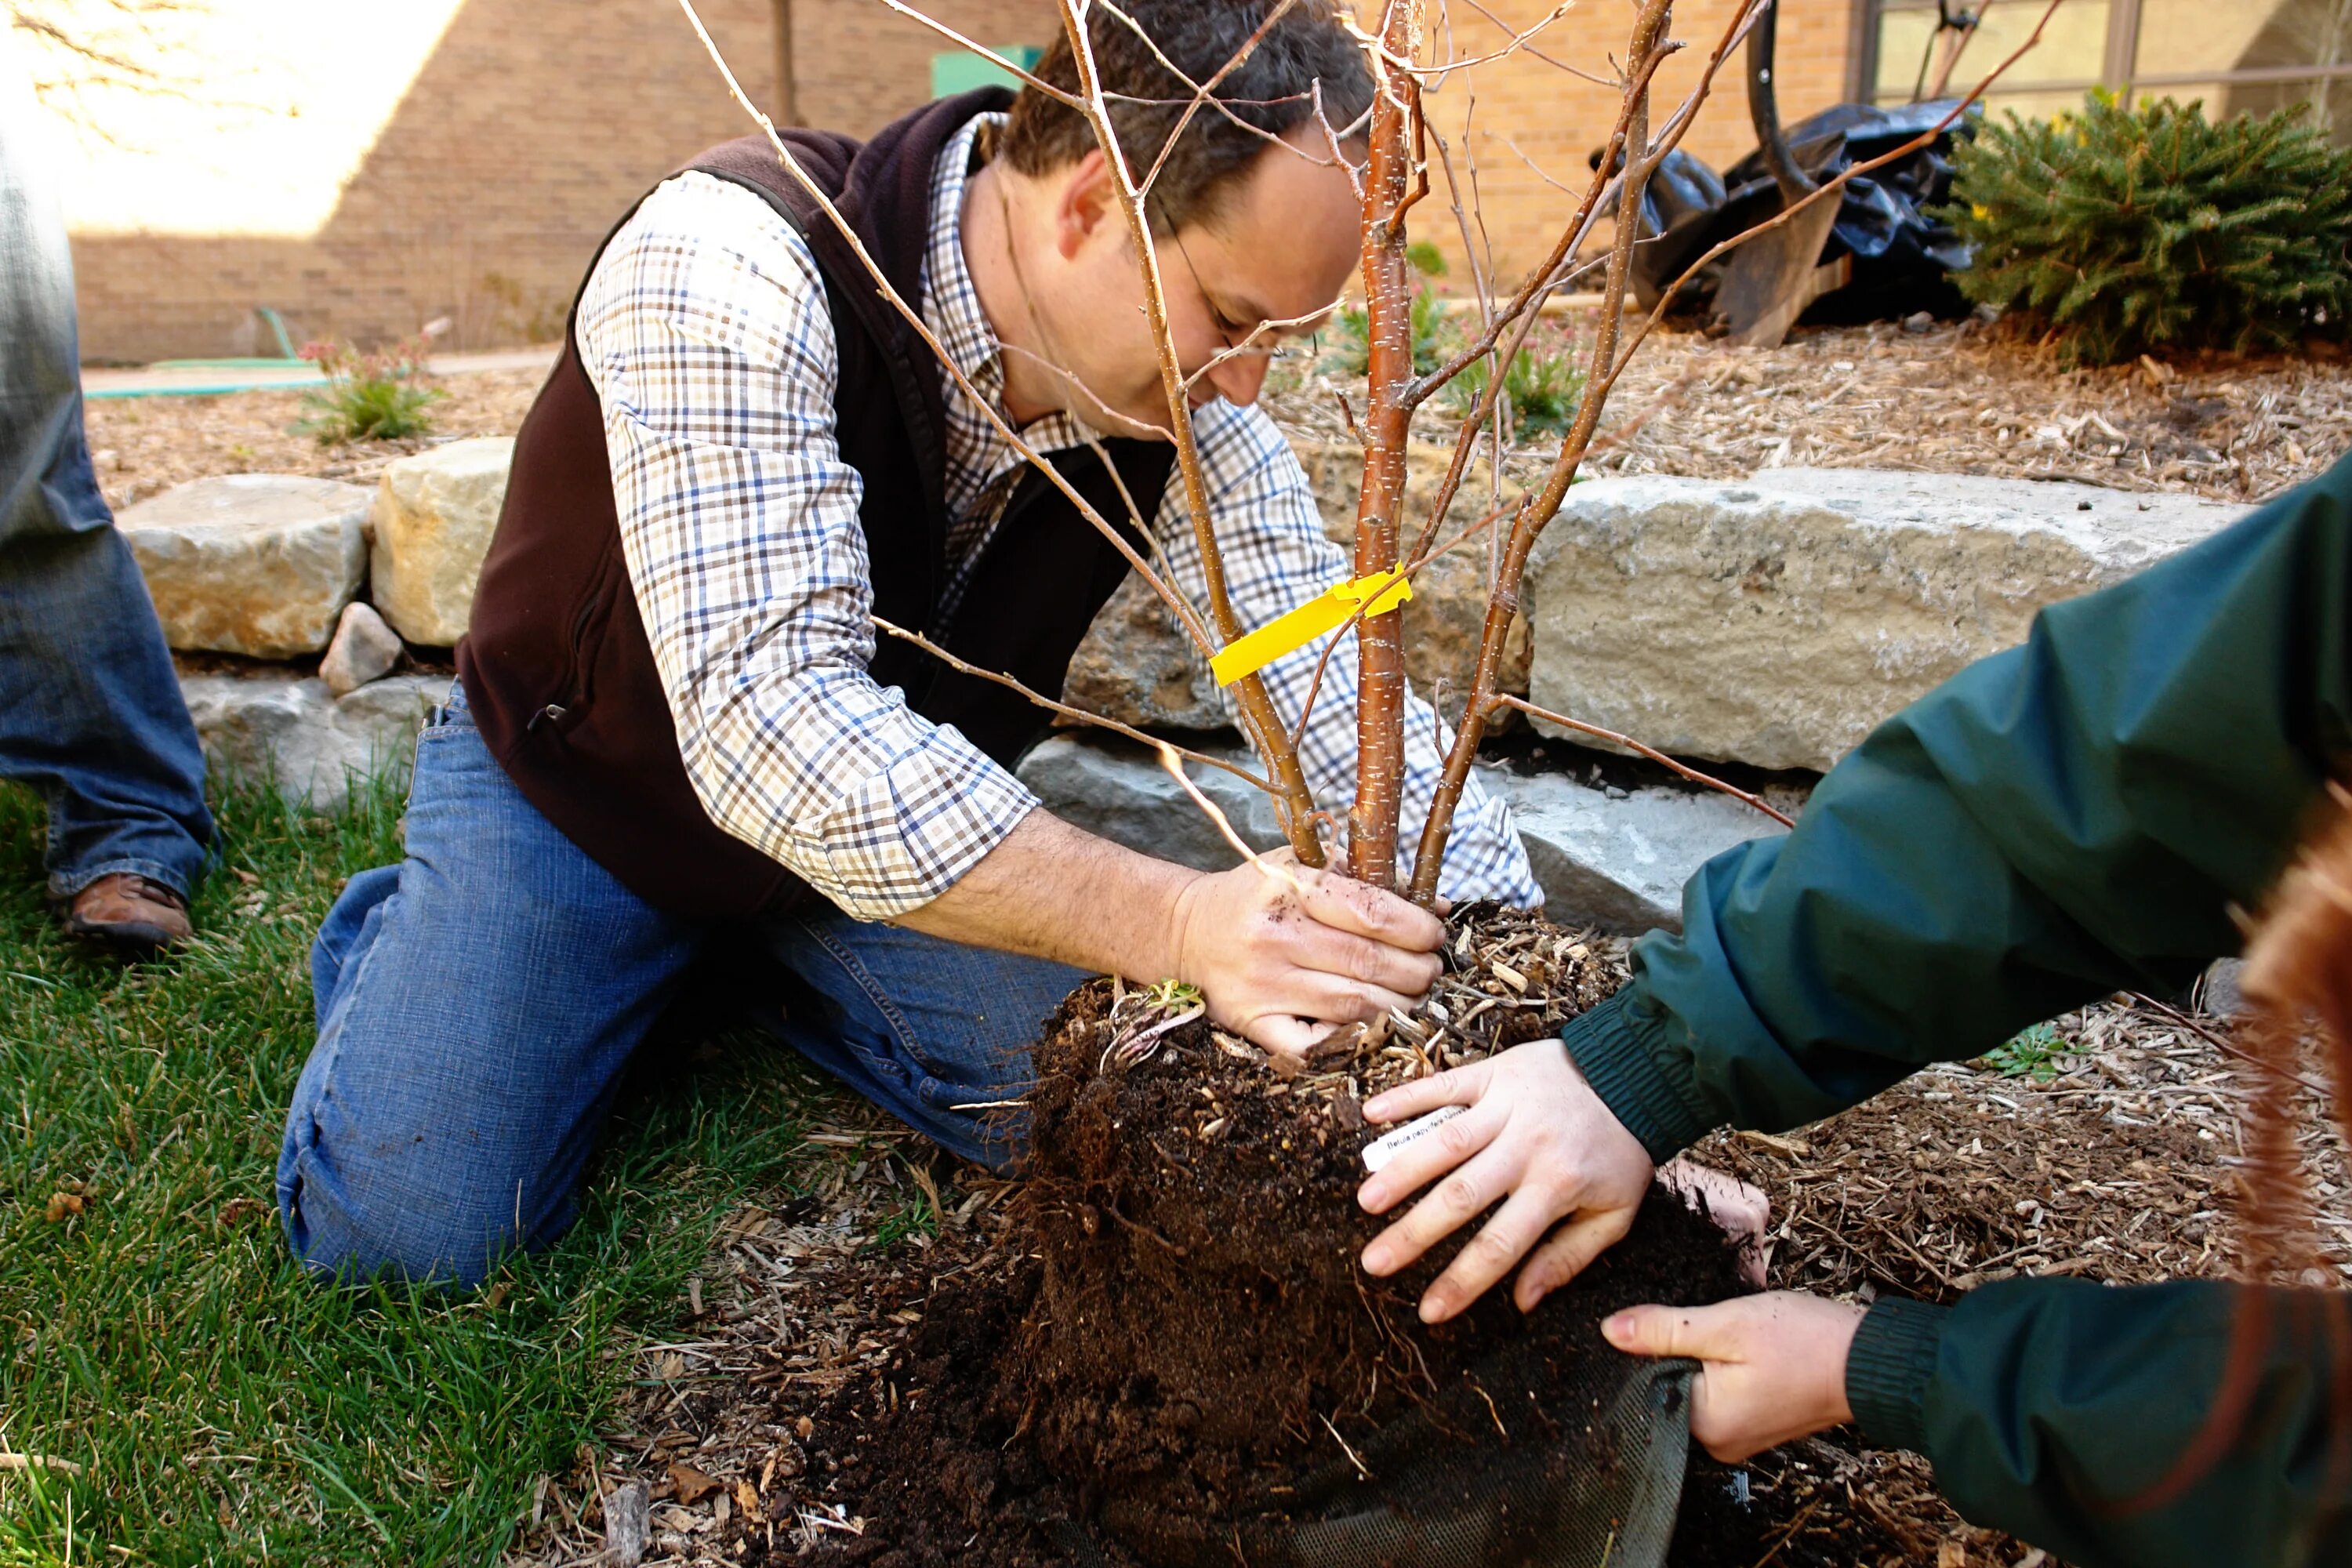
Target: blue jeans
[90, 711]
[478, 1003]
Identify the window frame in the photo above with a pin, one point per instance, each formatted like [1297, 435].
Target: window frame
[2116, 70]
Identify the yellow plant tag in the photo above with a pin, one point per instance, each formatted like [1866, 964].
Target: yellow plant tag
[1246, 654]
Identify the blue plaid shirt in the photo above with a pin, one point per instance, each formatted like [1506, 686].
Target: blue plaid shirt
[705, 329]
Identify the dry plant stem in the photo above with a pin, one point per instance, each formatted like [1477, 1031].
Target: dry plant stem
[1503, 599]
[1505, 700]
[1294, 804]
[1390, 191]
[1543, 275]
[1186, 616]
[1168, 760]
[1077, 715]
[990, 56]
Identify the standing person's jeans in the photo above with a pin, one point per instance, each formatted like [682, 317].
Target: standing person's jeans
[90, 711]
[478, 1002]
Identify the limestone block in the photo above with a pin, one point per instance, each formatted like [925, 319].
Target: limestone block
[365, 649]
[1779, 619]
[259, 564]
[1618, 858]
[1135, 667]
[1116, 790]
[432, 523]
[296, 734]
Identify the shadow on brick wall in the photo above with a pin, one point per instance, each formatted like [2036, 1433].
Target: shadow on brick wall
[527, 134]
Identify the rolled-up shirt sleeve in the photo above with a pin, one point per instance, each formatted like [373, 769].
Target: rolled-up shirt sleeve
[705, 329]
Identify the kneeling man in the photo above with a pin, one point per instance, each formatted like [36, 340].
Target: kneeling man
[673, 726]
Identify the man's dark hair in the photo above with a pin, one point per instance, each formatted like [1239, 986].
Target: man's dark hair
[1306, 55]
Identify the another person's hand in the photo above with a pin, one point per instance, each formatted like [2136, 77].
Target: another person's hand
[1536, 1136]
[1739, 1209]
[1771, 1367]
[1285, 959]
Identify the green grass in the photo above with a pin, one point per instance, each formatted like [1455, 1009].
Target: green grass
[224, 1408]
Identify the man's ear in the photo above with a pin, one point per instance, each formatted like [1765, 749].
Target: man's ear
[1086, 203]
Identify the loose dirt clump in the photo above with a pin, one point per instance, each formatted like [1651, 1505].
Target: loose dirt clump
[1179, 1341]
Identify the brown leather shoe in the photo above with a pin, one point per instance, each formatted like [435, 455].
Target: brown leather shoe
[136, 917]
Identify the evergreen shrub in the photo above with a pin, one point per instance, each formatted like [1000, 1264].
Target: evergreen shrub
[2129, 229]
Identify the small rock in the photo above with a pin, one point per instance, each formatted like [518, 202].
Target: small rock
[365, 649]
[2222, 992]
[295, 735]
[1919, 322]
[627, 1514]
[432, 523]
[258, 564]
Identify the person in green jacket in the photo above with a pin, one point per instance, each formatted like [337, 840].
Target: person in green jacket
[2070, 817]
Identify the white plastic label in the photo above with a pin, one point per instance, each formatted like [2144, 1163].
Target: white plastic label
[1388, 1145]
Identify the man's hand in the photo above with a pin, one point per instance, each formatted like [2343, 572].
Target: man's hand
[1772, 1368]
[1535, 1133]
[1284, 959]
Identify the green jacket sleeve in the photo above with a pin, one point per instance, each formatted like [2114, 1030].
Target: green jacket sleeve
[2056, 822]
[2090, 1420]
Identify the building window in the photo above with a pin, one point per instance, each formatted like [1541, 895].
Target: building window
[2239, 56]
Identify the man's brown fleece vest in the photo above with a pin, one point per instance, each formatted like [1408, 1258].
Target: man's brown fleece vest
[557, 668]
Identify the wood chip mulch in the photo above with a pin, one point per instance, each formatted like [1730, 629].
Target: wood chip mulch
[1963, 398]
[2105, 1148]
[141, 446]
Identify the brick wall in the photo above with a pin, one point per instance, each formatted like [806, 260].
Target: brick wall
[529, 130]
[1533, 123]
[520, 141]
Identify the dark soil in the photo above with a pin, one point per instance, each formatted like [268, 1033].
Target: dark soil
[1178, 1342]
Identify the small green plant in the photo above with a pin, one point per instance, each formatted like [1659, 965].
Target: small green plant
[2033, 1054]
[1543, 390]
[2129, 229]
[371, 396]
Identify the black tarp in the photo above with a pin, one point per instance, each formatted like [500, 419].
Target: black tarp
[1903, 257]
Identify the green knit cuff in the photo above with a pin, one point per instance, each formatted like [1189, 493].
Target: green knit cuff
[1889, 1368]
[1627, 1078]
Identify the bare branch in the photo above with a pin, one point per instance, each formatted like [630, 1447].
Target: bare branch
[1075, 715]
[1026, 78]
[1834, 184]
[1504, 699]
[1538, 54]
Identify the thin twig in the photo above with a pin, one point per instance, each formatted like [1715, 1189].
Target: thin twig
[1168, 759]
[1294, 802]
[1187, 617]
[1505, 700]
[1077, 715]
[2226, 1048]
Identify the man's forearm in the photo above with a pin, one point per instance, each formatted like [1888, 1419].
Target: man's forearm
[1052, 891]
[1282, 953]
